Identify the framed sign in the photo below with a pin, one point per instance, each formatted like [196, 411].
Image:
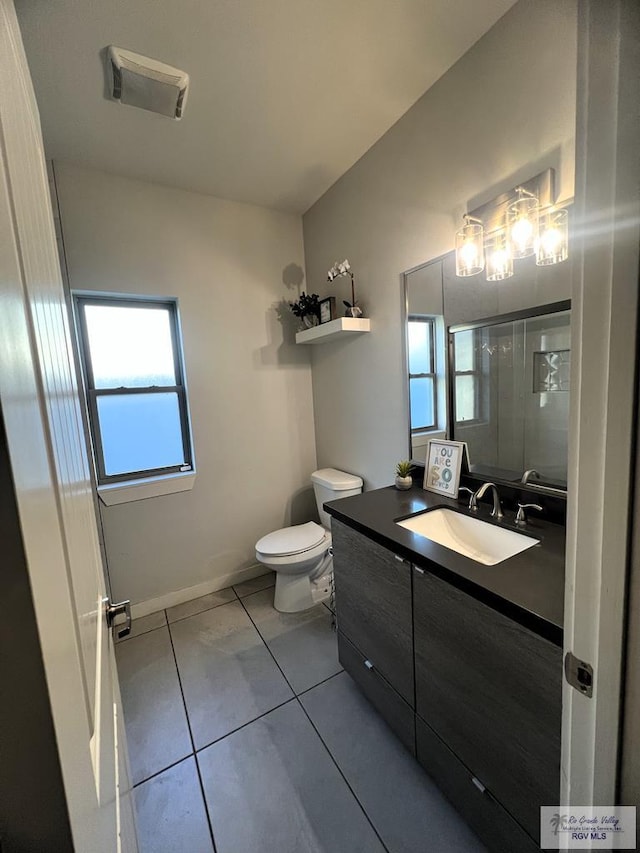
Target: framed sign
[327, 309]
[443, 466]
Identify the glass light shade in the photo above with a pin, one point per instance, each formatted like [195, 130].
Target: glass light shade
[470, 249]
[498, 256]
[522, 225]
[553, 239]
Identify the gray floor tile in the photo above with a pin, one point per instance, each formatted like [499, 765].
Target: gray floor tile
[256, 584]
[402, 802]
[171, 814]
[154, 715]
[228, 675]
[272, 788]
[198, 605]
[304, 644]
[144, 624]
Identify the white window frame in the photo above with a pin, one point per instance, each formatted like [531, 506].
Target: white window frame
[134, 485]
[431, 322]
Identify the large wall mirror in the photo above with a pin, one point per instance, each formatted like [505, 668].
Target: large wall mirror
[500, 384]
[509, 394]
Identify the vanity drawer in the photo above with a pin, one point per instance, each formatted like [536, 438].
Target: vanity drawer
[491, 689]
[373, 604]
[493, 824]
[383, 697]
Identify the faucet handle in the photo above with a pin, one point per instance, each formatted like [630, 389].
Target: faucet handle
[469, 491]
[521, 516]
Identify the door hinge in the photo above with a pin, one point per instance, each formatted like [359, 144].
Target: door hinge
[579, 674]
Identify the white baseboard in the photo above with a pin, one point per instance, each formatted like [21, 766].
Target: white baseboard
[170, 599]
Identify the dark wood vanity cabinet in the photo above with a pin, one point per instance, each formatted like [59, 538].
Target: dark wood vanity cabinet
[373, 604]
[483, 714]
[491, 690]
[375, 636]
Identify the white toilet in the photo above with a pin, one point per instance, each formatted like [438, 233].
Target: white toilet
[301, 555]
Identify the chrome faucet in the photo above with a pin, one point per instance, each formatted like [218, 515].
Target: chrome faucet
[496, 512]
[530, 472]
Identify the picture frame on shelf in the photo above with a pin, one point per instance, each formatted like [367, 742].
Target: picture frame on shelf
[327, 309]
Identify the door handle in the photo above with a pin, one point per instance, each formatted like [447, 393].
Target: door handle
[123, 608]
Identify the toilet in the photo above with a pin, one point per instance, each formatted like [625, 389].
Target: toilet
[301, 555]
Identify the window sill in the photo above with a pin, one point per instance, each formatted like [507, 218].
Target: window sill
[140, 490]
[421, 439]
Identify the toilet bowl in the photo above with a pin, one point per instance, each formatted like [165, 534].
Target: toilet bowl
[301, 554]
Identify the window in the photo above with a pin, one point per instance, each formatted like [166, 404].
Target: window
[466, 376]
[422, 376]
[134, 382]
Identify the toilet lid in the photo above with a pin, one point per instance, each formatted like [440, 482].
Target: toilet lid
[291, 540]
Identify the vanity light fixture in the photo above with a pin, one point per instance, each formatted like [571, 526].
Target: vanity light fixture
[553, 240]
[517, 224]
[499, 256]
[470, 247]
[522, 224]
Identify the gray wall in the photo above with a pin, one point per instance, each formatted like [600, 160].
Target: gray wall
[249, 385]
[503, 113]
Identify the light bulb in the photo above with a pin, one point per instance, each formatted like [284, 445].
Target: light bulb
[553, 242]
[499, 257]
[522, 225]
[521, 233]
[469, 254]
[470, 249]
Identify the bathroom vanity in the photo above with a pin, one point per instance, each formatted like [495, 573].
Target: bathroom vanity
[463, 660]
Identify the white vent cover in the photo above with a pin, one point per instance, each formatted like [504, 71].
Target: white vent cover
[142, 82]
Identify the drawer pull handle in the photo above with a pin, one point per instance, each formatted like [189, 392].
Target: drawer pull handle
[478, 784]
[368, 664]
[399, 558]
[419, 570]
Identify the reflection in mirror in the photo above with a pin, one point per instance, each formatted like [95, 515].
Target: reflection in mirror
[510, 394]
[425, 341]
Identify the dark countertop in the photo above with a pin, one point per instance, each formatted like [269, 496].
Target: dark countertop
[528, 587]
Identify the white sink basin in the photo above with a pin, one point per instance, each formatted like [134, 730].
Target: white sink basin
[482, 542]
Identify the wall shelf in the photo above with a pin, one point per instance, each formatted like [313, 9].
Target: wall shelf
[340, 328]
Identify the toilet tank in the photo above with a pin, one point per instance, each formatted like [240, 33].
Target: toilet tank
[329, 484]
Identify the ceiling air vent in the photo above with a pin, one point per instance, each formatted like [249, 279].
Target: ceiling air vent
[142, 82]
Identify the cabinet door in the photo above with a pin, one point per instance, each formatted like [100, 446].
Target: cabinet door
[373, 605]
[491, 690]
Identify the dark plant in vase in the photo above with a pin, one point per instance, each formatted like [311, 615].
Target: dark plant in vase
[307, 309]
[339, 269]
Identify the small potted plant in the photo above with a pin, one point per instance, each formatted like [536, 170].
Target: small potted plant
[339, 269]
[307, 308]
[403, 475]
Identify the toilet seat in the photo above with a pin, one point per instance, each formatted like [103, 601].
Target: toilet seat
[291, 541]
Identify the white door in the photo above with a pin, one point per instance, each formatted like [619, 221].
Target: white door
[604, 310]
[41, 408]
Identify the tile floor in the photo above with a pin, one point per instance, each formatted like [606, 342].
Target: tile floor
[245, 736]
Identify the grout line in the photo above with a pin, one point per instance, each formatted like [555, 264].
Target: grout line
[193, 746]
[244, 725]
[324, 681]
[142, 634]
[304, 711]
[254, 592]
[164, 769]
[346, 781]
[198, 612]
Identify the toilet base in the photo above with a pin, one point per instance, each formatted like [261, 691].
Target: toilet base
[294, 593]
